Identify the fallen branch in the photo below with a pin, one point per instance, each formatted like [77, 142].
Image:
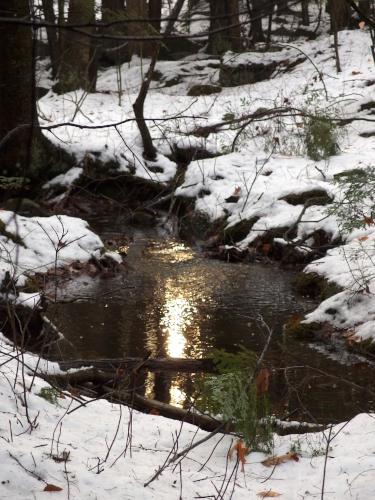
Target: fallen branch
[151, 364]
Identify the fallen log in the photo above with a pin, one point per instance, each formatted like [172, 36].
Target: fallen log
[153, 406]
[151, 364]
[204, 422]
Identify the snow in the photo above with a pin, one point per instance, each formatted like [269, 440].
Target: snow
[47, 241]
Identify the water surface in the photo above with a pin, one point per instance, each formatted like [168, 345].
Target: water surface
[172, 301]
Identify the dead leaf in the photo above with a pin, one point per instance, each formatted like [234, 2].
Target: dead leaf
[354, 72]
[363, 238]
[368, 221]
[266, 247]
[262, 381]
[277, 460]
[154, 411]
[52, 487]
[362, 25]
[268, 494]
[241, 450]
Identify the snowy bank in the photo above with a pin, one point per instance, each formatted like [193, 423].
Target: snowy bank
[94, 449]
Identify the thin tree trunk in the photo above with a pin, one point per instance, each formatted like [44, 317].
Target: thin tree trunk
[149, 151]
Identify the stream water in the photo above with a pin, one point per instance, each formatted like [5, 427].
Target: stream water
[174, 302]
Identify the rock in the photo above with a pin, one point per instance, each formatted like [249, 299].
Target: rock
[232, 76]
[302, 331]
[239, 231]
[314, 286]
[315, 197]
[197, 90]
[25, 206]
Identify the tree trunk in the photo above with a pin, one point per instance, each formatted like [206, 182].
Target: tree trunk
[305, 13]
[149, 150]
[52, 38]
[17, 91]
[136, 9]
[77, 68]
[114, 52]
[223, 14]
[340, 14]
[154, 13]
[256, 29]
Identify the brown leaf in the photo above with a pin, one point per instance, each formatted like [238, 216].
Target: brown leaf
[273, 461]
[241, 451]
[52, 487]
[268, 494]
[368, 221]
[363, 238]
[266, 248]
[154, 411]
[262, 381]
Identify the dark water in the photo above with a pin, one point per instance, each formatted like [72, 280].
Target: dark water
[174, 302]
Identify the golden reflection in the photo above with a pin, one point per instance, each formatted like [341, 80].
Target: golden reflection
[173, 252]
[149, 385]
[178, 313]
[176, 394]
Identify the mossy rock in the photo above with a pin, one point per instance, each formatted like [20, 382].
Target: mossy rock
[198, 90]
[232, 76]
[302, 331]
[316, 197]
[349, 173]
[366, 346]
[25, 206]
[314, 286]
[194, 225]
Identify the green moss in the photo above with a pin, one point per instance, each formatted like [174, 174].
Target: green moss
[366, 346]
[197, 90]
[315, 286]
[299, 330]
[49, 394]
[30, 286]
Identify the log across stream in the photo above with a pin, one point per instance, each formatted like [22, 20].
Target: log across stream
[172, 302]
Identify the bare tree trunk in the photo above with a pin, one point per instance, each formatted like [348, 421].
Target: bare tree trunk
[136, 9]
[17, 91]
[52, 33]
[154, 13]
[223, 14]
[340, 14]
[256, 29]
[149, 151]
[114, 51]
[78, 51]
[305, 13]
[234, 21]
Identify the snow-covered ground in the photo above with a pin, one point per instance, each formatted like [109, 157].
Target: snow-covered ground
[104, 451]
